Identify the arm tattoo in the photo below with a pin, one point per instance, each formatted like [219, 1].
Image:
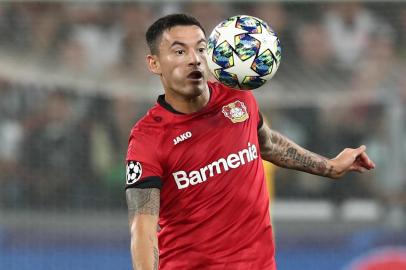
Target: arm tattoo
[283, 152]
[142, 201]
[307, 159]
[156, 258]
[156, 254]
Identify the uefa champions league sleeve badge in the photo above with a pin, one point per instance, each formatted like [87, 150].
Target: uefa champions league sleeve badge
[133, 172]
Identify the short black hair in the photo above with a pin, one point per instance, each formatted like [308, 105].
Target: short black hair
[155, 31]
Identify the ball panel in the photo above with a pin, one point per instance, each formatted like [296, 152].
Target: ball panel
[230, 21]
[267, 27]
[278, 53]
[212, 42]
[226, 78]
[251, 82]
[264, 63]
[246, 46]
[250, 24]
[223, 55]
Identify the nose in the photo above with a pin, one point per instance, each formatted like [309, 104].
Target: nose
[194, 59]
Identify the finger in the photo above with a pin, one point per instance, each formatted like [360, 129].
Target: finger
[359, 164]
[358, 151]
[366, 166]
[357, 168]
[363, 157]
[365, 161]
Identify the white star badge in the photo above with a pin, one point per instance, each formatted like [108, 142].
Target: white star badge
[242, 68]
[267, 40]
[228, 33]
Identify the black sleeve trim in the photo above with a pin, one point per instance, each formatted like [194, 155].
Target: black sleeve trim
[147, 182]
[261, 120]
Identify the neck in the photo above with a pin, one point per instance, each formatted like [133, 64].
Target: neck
[186, 104]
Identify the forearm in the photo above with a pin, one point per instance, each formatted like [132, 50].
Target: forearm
[144, 243]
[143, 210]
[285, 153]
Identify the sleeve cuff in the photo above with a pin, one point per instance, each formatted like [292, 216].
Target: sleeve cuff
[147, 182]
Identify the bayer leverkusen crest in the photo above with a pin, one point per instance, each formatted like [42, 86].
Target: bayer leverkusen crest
[236, 111]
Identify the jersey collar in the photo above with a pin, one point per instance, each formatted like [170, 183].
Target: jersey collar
[161, 101]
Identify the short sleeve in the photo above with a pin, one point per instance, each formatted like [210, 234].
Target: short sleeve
[143, 169]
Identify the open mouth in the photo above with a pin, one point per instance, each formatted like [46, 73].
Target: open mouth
[195, 75]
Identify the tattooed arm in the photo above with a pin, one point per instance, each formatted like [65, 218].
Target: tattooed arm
[143, 212]
[283, 152]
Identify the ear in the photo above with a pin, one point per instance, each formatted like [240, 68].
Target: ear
[153, 64]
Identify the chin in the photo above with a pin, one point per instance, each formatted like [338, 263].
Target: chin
[196, 90]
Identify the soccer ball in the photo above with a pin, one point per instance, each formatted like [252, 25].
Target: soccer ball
[243, 52]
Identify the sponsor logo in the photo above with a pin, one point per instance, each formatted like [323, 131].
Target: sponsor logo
[133, 171]
[234, 160]
[236, 111]
[182, 137]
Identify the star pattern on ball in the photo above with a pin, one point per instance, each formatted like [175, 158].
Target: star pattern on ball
[243, 52]
[229, 32]
[242, 67]
[267, 41]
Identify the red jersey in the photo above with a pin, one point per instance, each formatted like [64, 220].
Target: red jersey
[214, 209]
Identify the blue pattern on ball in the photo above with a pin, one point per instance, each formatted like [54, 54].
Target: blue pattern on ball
[252, 83]
[227, 78]
[249, 24]
[246, 46]
[263, 64]
[223, 55]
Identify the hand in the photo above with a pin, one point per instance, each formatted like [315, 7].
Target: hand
[350, 159]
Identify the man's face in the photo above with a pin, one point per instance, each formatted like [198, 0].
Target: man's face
[181, 61]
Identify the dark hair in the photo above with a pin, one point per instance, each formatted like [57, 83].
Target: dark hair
[155, 31]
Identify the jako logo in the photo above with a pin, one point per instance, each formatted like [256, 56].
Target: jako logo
[182, 137]
[233, 161]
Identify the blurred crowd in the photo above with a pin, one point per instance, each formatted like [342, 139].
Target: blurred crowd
[60, 146]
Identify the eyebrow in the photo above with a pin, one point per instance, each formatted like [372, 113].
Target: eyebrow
[184, 44]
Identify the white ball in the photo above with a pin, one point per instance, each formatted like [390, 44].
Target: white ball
[243, 52]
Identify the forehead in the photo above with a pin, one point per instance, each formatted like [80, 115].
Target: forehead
[189, 34]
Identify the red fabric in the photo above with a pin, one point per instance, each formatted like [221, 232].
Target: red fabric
[219, 217]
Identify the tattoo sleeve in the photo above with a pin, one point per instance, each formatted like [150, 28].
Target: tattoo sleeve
[143, 212]
[283, 152]
[142, 201]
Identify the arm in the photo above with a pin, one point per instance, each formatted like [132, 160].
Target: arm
[283, 152]
[143, 212]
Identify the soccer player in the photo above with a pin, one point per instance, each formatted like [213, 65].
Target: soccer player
[195, 187]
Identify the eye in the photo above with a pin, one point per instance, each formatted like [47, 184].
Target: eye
[180, 52]
[202, 50]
